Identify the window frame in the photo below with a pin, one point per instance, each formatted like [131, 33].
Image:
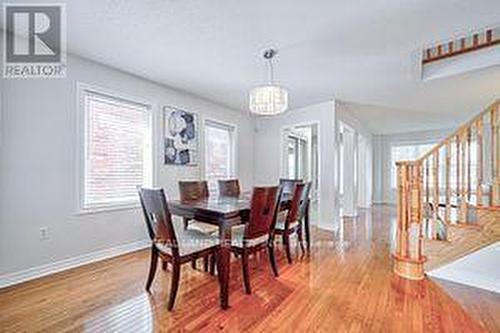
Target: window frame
[392, 166]
[81, 145]
[234, 143]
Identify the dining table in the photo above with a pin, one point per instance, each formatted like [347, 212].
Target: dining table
[226, 212]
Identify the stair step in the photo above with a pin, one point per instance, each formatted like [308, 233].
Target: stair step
[463, 239]
[465, 226]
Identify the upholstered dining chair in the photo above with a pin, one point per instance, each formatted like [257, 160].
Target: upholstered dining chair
[168, 244]
[193, 190]
[229, 187]
[293, 220]
[258, 231]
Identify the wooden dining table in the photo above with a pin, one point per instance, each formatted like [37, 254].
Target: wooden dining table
[226, 212]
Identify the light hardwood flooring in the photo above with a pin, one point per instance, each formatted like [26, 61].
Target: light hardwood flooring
[345, 285]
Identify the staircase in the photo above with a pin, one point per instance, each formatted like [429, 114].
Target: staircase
[449, 199]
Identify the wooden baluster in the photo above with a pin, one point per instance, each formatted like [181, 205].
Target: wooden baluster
[469, 164]
[495, 155]
[408, 259]
[447, 176]
[489, 36]
[479, 161]
[401, 235]
[463, 187]
[439, 50]
[435, 196]
[427, 198]
[458, 189]
[417, 207]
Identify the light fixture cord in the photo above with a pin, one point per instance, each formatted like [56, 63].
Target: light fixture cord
[271, 71]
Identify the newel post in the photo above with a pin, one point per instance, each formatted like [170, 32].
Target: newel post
[408, 257]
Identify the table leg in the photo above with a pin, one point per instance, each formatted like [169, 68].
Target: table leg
[306, 227]
[223, 264]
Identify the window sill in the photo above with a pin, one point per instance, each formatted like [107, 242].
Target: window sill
[106, 209]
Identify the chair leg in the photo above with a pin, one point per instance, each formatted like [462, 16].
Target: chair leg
[301, 240]
[176, 273]
[212, 264]
[186, 222]
[272, 259]
[205, 263]
[286, 244]
[152, 267]
[246, 275]
[164, 265]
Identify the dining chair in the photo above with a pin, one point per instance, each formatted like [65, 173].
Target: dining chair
[288, 184]
[168, 244]
[229, 187]
[193, 190]
[293, 220]
[258, 231]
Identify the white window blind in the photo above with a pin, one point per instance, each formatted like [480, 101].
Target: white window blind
[219, 153]
[118, 154]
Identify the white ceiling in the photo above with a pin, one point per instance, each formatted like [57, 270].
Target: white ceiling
[361, 51]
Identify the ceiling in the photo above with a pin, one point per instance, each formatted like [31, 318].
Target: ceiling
[361, 51]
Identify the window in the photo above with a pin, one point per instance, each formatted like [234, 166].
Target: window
[406, 153]
[219, 152]
[117, 154]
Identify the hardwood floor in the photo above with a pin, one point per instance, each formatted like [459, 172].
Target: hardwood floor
[345, 285]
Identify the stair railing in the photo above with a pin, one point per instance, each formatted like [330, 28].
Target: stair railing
[445, 186]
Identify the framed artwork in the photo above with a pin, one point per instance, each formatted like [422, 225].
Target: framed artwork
[180, 136]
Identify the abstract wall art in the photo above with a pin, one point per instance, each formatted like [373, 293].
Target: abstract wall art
[180, 136]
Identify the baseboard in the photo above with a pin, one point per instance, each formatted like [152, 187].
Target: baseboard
[62, 265]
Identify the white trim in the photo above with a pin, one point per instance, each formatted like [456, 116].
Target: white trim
[62, 265]
[80, 143]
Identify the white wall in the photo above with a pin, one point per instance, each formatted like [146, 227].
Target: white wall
[382, 153]
[267, 158]
[38, 165]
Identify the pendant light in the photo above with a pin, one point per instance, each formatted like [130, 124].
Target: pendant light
[270, 99]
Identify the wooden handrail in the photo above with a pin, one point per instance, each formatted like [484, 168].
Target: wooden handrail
[468, 124]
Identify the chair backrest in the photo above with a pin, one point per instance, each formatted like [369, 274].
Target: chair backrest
[158, 218]
[304, 200]
[299, 202]
[288, 184]
[193, 190]
[229, 187]
[263, 209]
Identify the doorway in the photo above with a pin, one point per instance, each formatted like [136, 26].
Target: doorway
[300, 159]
